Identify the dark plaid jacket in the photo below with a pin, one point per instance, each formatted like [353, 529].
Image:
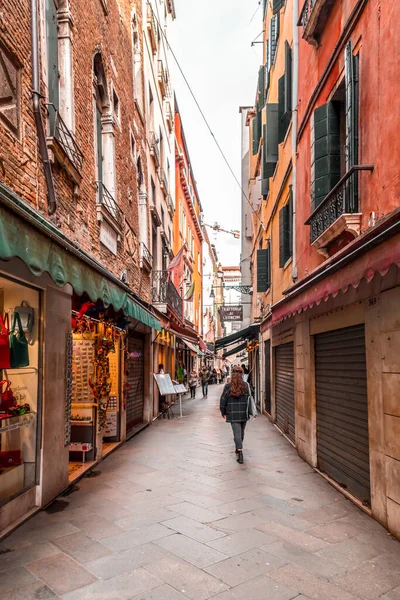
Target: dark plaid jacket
[235, 409]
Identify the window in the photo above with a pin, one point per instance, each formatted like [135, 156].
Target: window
[137, 64]
[273, 39]
[133, 147]
[264, 269]
[151, 109]
[285, 232]
[277, 5]
[162, 217]
[153, 191]
[285, 95]
[9, 92]
[334, 138]
[105, 154]
[116, 106]
[257, 121]
[270, 147]
[53, 75]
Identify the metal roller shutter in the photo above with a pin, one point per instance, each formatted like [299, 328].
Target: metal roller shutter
[267, 370]
[284, 390]
[135, 380]
[342, 409]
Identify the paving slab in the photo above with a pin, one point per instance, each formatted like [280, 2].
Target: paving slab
[61, 573]
[170, 516]
[195, 553]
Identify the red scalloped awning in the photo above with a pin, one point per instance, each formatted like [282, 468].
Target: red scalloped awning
[377, 260]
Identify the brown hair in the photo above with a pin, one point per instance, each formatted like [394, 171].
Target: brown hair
[238, 386]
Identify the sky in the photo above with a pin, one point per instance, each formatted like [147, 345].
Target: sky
[212, 42]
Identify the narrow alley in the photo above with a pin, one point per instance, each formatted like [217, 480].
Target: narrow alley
[171, 516]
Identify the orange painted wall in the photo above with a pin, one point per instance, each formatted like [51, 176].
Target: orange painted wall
[191, 207]
[379, 143]
[268, 212]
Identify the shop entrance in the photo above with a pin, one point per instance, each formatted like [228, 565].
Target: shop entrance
[284, 390]
[342, 409]
[20, 412]
[135, 381]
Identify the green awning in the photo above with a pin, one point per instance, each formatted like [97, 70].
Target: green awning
[243, 334]
[42, 254]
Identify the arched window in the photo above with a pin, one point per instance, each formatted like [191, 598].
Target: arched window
[137, 64]
[104, 138]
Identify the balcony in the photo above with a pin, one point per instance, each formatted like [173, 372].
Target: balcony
[108, 208]
[154, 148]
[313, 18]
[164, 182]
[169, 117]
[164, 293]
[146, 259]
[152, 27]
[63, 146]
[170, 205]
[162, 78]
[338, 212]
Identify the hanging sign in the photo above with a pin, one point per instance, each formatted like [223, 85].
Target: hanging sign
[231, 313]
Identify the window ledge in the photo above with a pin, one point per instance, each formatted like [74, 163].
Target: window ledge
[57, 153]
[348, 222]
[103, 214]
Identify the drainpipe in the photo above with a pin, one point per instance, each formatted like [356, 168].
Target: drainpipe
[36, 96]
[295, 76]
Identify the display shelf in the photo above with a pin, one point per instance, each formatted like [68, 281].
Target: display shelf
[80, 423]
[13, 423]
[84, 405]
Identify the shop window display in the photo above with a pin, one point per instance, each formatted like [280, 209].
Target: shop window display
[19, 402]
[95, 388]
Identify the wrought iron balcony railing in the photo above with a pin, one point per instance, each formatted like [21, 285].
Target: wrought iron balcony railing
[146, 259]
[105, 199]
[341, 200]
[154, 148]
[164, 292]
[64, 137]
[313, 18]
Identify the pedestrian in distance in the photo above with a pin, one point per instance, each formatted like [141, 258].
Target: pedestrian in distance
[205, 378]
[236, 408]
[193, 381]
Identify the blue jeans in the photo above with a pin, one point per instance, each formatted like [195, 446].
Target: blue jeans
[204, 386]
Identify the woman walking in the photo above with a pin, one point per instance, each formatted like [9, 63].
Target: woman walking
[234, 408]
[193, 381]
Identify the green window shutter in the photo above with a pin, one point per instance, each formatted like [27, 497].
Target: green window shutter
[263, 276]
[273, 38]
[325, 152]
[277, 5]
[265, 4]
[282, 125]
[257, 131]
[52, 53]
[288, 78]
[351, 107]
[99, 143]
[261, 88]
[284, 235]
[270, 157]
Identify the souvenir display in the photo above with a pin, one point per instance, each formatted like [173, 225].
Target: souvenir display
[19, 353]
[4, 342]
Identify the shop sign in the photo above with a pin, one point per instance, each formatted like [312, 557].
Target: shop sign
[111, 425]
[108, 237]
[231, 313]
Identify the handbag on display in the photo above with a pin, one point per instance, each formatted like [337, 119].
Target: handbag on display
[4, 342]
[10, 458]
[19, 351]
[7, 399]
[26, 314]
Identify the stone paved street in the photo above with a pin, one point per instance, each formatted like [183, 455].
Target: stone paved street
[172, 516]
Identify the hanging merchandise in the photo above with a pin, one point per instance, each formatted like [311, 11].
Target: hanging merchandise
[26, 314]
[101, 382]
[7, 399]
[4, 343]
[19, 353]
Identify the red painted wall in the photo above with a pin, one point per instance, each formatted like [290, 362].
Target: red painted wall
[379, 115]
